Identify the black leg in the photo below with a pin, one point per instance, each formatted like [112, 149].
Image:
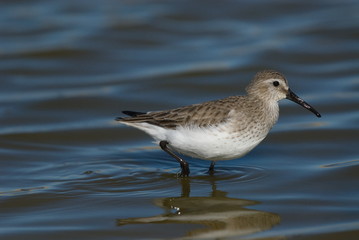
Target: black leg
[211, 168]
[183, 163]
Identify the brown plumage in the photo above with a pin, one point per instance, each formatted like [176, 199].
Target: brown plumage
[202, 115]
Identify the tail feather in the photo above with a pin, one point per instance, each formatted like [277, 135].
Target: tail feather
[131, 114]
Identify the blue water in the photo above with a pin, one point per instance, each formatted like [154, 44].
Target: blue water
[68, 69]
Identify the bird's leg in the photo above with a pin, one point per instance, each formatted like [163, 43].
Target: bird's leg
[211, 168]
[183, 163]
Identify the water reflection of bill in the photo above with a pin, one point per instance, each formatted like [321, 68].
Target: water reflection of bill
[222, 216]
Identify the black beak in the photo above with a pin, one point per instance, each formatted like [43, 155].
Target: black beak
[293, 97]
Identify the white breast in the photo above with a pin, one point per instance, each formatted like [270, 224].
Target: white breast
[211, 143]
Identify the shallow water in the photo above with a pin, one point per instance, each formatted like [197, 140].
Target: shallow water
[68, 170]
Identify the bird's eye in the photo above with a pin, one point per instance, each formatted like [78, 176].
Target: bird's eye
[276, 83]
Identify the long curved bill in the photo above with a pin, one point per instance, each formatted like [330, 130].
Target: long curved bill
[293, 97]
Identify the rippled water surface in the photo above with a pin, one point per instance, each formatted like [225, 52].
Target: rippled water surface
[69, 171]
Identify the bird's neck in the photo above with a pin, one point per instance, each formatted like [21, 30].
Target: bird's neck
[272, 111]
[266, 110]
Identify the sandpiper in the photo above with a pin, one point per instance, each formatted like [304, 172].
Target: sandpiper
[221, 129]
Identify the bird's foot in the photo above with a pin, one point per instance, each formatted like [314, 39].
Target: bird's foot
[184, 171]
[211, 169]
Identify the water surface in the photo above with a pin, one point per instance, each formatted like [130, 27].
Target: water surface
[68, 170]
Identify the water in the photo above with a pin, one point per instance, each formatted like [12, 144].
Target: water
[68, 170]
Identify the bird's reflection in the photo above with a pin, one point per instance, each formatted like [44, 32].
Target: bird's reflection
[222, 216]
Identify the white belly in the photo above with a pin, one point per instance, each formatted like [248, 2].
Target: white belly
[212, 143]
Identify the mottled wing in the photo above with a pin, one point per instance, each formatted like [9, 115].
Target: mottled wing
[205, 114]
